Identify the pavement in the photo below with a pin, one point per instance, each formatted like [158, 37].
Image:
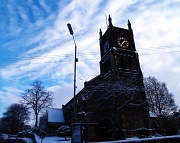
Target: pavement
[54, 139]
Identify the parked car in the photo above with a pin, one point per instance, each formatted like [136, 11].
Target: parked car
[18, 140]
[3, 137]
[64, 131]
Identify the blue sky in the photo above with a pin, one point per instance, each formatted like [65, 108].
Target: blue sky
[35, 43]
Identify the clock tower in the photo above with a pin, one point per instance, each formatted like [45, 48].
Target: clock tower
[120, 62]
[115, 100]
[118, 52]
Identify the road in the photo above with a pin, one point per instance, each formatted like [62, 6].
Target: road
[54, 140]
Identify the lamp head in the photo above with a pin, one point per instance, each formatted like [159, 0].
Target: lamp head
[70, 28]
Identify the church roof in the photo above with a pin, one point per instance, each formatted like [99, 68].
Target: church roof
[55, 115]
[152, 114]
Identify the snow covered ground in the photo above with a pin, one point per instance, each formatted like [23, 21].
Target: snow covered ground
[54, 139]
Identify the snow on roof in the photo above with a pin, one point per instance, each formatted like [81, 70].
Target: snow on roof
[55, 115]
[152, 114]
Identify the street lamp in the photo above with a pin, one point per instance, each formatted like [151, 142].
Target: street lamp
[75, 60]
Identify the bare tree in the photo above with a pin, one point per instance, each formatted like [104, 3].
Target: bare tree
[160, 100]
[15, 118]
[37, 99]
[109, 97]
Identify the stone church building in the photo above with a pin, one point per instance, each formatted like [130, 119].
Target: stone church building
[115, 99]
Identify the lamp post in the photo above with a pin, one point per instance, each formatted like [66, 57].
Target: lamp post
[75, 60]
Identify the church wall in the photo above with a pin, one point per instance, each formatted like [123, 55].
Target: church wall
[115, 99]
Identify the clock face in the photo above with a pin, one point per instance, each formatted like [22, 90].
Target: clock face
[106, 46]
[122, 42]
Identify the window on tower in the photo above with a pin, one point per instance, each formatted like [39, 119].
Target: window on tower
[130, 62]
[126, 62]
[121, 61]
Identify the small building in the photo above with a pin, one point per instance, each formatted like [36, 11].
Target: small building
[54, 119]
[155, 120]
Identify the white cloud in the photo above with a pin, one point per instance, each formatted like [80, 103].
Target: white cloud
[10, 95]
[61, 94]
[49, 44]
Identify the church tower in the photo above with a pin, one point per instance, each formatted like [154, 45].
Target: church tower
[115, 100]
[120, 61]
[118, 51]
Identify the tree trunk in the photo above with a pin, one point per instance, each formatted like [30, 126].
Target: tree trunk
[114, 120]
[36, 122]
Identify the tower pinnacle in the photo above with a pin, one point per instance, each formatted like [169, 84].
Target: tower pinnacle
[100, 35]
[110, 21]
[129, 25]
